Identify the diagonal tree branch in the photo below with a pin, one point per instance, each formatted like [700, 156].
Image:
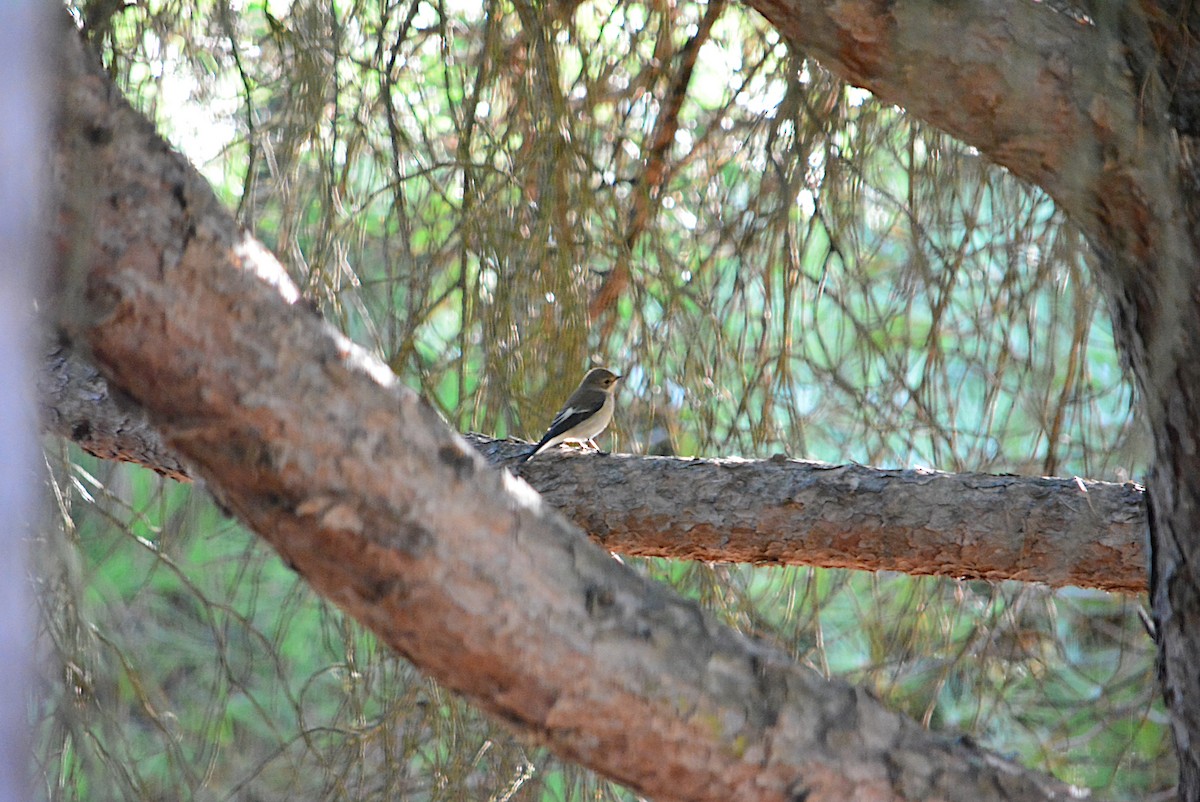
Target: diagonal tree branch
[462, 569]
[1035, 90]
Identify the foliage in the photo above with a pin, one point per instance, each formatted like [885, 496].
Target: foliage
[795, 268]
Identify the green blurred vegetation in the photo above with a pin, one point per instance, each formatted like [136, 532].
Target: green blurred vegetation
[451, 184]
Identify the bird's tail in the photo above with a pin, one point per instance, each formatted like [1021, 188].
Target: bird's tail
[525, 457]
[521, 460]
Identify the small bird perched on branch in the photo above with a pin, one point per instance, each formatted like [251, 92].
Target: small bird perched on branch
[585, 415]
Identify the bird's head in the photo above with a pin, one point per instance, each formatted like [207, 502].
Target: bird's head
[599, 378]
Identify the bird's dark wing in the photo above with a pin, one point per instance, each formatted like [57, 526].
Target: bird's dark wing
[567, 419]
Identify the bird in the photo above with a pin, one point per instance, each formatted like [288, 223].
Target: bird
[585, 414]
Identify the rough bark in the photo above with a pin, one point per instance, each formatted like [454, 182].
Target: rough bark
[365, 492]
[793, 512]
[1157, 307]
[75, 402]
[1102, 110]
[778, 512]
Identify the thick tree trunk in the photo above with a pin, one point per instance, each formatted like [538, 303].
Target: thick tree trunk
[1157, 303]
[462, 569]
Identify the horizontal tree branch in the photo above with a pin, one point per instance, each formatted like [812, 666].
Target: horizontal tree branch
[797, 512]
[360, 486]
[779, 511]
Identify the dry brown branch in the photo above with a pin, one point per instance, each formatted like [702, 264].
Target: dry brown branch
[655, 170]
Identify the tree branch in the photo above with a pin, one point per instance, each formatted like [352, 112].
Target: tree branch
[655, 169]
[75, 402]
[362, 489]
[779, 511]
[796, 512]
[1037, 91]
